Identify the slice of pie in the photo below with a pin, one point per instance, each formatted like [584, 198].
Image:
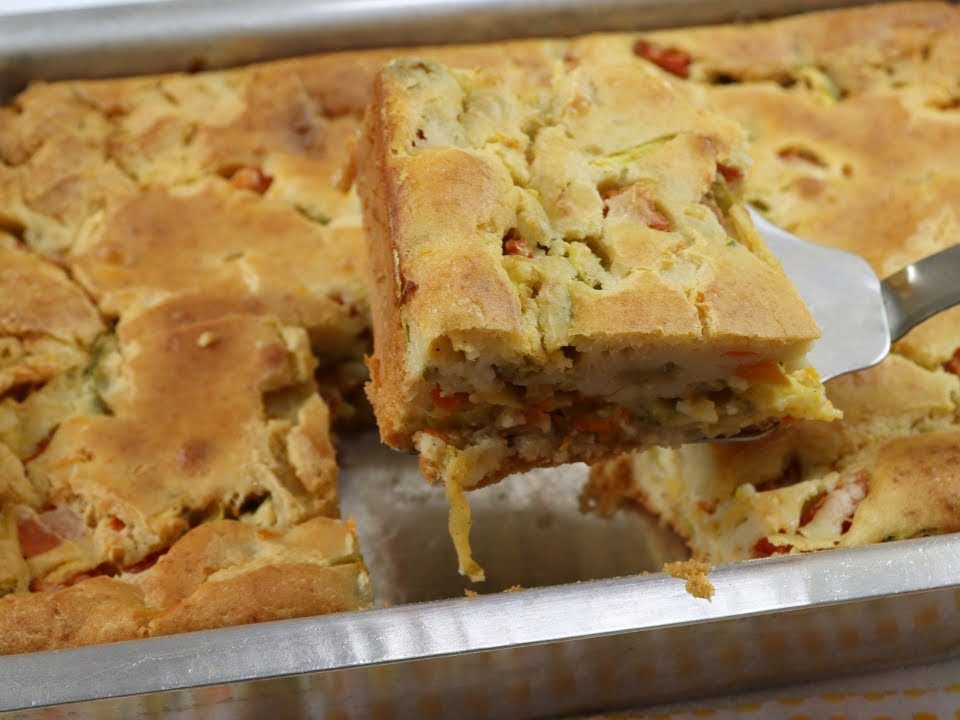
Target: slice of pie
[563, 272]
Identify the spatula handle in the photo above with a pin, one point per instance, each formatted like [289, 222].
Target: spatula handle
[921, 290]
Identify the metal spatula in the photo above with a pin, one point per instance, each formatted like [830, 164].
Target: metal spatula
[859, 314]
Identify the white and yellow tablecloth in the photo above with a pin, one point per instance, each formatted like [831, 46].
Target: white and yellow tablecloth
[923, 692]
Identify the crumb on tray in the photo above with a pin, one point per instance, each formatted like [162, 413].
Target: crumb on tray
[694, 573]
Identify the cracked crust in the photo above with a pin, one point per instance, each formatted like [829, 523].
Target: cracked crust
[236, 245]
[202, 419]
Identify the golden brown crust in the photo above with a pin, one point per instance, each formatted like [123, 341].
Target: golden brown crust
[202, 419]
[914, 490]
[234, 244]
[385, 285]
[269, 592]
[97, 610]
[227, 573]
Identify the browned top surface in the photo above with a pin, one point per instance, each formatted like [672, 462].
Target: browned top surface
[470, 158]
[205, 420]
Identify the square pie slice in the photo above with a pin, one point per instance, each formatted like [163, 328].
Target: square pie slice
[562, 271]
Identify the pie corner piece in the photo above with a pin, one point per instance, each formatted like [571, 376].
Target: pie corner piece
[563, 271]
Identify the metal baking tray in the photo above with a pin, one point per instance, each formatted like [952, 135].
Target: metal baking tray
[591, 632]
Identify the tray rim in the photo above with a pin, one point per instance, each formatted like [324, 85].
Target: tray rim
[456, 626]
[52, 44]
[468, 625]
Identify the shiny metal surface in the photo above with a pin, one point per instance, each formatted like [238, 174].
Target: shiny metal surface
[843, 293]
[402, 522]
[564, 647]
[563, 615]
[921, 290]
[860, 315]
[128, 38]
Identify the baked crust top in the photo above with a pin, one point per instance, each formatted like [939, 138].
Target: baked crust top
[473, 166]
[207, 419]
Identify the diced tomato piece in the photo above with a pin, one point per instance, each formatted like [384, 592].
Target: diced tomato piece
[251, 178]
[515, 246]
[656, 220]
[765, 548]
[35, 539]
[730, 173]
[116, 524]
[673, 60]
[448, 403]
[953, 364]
[811, 509]
[848, 493]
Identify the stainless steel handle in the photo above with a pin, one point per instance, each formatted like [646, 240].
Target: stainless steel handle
[921, 290]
